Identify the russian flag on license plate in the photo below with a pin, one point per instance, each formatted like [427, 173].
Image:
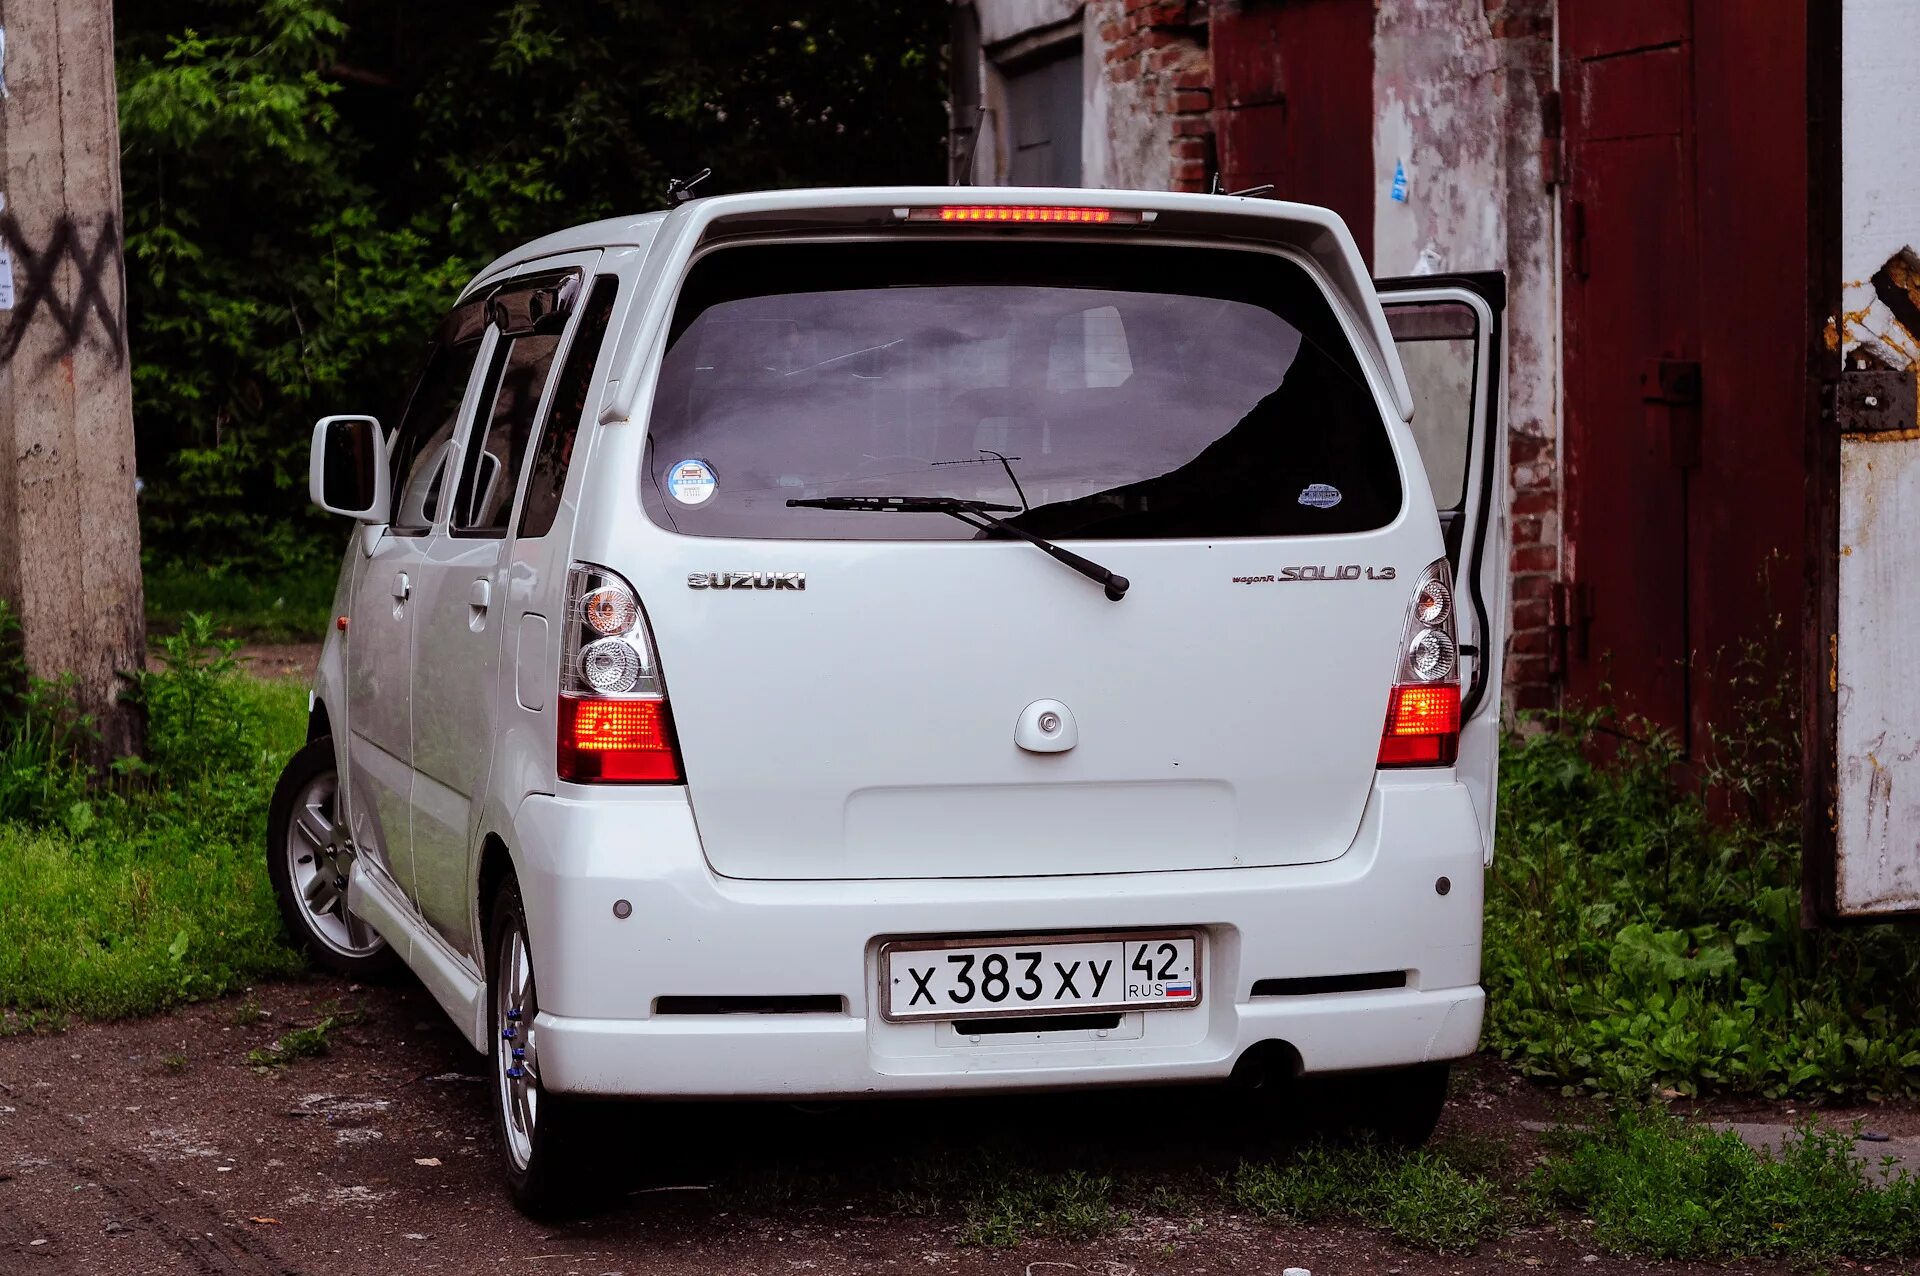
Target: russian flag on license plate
[1179, 990]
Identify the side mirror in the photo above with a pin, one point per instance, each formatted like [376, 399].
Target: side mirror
[347, 473]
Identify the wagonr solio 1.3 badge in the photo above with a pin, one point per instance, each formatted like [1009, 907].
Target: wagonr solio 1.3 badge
[642, 842]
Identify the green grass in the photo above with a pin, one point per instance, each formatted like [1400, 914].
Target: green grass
[136, 894]
[1419, 1198]
[1660, 1188]
[281, 607]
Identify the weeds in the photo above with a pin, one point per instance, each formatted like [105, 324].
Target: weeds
[1067, 1205]
[43, 738]
[1633, 943]
[129, 892]
[1419, 1198]
[1659, 1187]
[1001, 1199]
[299, 1043]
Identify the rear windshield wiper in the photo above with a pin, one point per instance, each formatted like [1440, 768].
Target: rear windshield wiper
[967, 512]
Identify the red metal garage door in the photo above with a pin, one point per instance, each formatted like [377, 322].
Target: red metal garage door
[1632, 347]
[1293, 103]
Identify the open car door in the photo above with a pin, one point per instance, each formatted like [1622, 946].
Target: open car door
[1449, 332]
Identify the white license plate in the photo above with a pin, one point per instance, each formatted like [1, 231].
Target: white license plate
[974, 979]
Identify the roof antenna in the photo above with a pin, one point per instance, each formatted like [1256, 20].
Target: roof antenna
[1214, 189]
[964, 166]
[680, 191]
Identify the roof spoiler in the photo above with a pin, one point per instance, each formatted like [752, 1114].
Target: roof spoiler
[1317, 232]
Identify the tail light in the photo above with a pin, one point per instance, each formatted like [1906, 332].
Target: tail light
[1423, 712]
[614, 723]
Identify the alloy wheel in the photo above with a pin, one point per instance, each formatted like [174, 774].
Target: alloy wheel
[320, 863]
[516, 1062]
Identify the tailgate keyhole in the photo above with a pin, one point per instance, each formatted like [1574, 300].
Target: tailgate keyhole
[1046, 726]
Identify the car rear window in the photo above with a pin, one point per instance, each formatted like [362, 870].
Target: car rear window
[1124, 391]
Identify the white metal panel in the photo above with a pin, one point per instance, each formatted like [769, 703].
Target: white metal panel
[1879, 696]
[1877, 820]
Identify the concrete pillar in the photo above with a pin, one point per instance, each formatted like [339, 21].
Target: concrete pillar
[69, 526]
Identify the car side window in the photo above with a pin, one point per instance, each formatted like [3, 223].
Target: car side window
[531, 315]
[427, 428]
[554, 453]
[1439, 348]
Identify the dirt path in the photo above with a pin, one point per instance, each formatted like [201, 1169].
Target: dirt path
[152, 1146]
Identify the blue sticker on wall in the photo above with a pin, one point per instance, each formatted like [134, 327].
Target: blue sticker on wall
[1398, 191]
[1322, 496]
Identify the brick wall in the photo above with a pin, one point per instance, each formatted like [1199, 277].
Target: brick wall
[1520, 33]
[1157, 50]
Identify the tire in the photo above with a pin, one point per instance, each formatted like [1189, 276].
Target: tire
[543, 1140]
[309, 858]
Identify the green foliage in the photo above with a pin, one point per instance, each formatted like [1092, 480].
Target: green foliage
[1419, 1198]
[1637, 942]
[309, 1042]
[1659, 1187]
[126, 898]
[305, 196]
[263, 607]
[1004, 1209]
[43, 737]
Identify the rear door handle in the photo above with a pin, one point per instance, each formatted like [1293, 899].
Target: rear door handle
[480, 596]
[402, 587]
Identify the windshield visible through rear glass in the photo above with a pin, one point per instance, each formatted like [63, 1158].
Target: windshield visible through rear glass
[1106, 391]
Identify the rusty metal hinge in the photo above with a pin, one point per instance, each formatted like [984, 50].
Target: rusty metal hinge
[1875, 401]
[1569, 614]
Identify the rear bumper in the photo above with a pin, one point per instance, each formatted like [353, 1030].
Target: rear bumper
[692, 934]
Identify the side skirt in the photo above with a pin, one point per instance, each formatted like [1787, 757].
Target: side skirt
[451, 978]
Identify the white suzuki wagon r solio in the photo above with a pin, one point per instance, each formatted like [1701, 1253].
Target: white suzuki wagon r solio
[854, 642]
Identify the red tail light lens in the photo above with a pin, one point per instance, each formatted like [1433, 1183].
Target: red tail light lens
[1423, 726]
[616, 740]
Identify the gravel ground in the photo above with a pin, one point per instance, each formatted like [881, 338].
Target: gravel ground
[153, 1146]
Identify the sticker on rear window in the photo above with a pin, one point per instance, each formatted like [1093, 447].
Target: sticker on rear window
[1322, 496]
[692, 483]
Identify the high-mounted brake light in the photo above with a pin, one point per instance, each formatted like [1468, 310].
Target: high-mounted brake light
[1026, 213]
[1423, 711]
[614, 723]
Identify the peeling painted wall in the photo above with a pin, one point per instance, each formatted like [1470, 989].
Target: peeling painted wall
[1438, 117]
[1878, 327]
[1457, 92]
